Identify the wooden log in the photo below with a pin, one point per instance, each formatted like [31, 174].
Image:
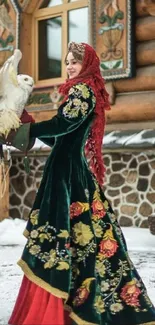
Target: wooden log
[144, 80]
[145, 28]
[32, 6]
[145, 7]
[141, 9]
[4, 192]
[26, 44]
[145, 53]
[133, 107]
[150, 6]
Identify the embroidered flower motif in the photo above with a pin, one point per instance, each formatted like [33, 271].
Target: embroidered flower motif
[99, 305]
[62, 266]
[77, 102]
[83, 292]
[69, 111]
[97, 207]
[35, 249]
[43, 236]
[34, 234]
[100, 268]
[98, 230]
[30, 242]
[130, 293]
[52, 259]
[116, 307]
[84, 90]
[76, 208]
[108, 246]
[84, 108]
[63, 233]
[82, 234]
[104, 286]
[34, 217]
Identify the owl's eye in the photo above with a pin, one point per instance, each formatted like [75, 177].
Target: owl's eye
[26, 79]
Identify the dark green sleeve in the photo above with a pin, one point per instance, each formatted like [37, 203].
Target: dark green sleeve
[71, 114]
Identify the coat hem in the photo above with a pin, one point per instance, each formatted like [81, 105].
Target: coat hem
[149, 323]
[32, 277]
[79, 320]
[59, 294]
[56, 292]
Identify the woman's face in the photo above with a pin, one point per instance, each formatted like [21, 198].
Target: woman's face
[73, 67]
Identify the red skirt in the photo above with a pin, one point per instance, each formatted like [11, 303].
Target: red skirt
[35, 305]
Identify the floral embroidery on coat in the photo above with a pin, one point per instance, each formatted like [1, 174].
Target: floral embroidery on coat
[82, 234]
[34, 217]
[77, 208]
[108, 245]
[77, 102]
[130, 293]
[83, 292]
[56, 257]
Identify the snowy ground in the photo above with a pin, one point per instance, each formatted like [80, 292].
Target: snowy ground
[141, 245]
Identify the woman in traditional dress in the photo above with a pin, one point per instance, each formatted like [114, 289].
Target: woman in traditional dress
[76, 265]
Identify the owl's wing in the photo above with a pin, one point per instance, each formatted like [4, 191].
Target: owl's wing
[8, 75]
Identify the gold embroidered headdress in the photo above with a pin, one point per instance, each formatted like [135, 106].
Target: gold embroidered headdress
[78, 50]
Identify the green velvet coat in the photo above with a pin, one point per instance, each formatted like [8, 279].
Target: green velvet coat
[75, 248]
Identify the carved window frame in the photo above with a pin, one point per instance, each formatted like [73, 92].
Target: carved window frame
[45, 13]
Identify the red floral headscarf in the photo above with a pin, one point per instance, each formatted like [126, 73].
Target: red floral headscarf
[91, 75]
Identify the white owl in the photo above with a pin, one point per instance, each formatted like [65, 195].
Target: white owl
[15, 90]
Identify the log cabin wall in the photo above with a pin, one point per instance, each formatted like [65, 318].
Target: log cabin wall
[134, 99]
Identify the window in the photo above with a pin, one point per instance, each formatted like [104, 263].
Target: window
[56, 22]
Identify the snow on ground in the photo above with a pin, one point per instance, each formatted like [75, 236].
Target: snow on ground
[141, 245]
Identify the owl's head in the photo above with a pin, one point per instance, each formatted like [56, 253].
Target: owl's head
[25, 82]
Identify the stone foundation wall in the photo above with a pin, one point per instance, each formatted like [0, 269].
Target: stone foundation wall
[129, 186]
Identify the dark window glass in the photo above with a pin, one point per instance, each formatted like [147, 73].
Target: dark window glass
[78, 25]
[50, 31]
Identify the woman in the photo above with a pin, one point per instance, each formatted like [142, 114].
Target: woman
[76, 264]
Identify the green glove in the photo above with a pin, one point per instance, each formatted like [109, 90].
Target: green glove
[20, 138]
